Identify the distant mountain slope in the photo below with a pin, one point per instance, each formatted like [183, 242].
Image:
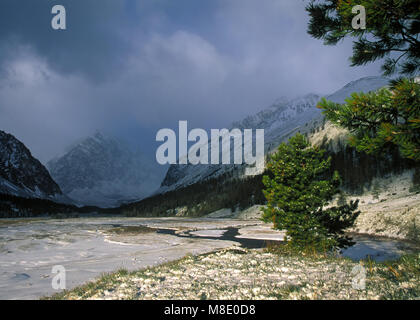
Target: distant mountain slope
[280, 121]
[102, 171]
[23, 175]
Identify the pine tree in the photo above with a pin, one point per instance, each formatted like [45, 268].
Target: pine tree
[392, 29]
[298, 188]
[380, 120]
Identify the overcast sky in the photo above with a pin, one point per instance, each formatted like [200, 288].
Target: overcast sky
[131, 67]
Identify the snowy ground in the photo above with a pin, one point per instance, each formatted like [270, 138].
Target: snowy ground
[29, 250]
[391, 211]
[88, 247]
[256, 274]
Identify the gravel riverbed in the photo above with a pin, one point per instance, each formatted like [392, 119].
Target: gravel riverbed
[238, 273]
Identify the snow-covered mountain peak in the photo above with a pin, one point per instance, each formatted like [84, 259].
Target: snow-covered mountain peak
[280, 121]
[104, 171]
[365, 84]
[21, 174]
[280, 111]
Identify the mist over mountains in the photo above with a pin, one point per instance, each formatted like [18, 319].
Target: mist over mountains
[280, 121]
[103, 171]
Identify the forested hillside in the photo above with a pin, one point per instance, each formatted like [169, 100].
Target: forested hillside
[357, 171]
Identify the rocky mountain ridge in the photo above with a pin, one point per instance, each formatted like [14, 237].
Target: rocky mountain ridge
[21, 174]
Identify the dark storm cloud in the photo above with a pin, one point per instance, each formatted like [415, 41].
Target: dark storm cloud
[99, 34]
[145, 65]
[91, 44]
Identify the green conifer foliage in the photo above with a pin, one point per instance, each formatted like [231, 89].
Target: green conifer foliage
[391, 31]
[380, 120]
[297, 190]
